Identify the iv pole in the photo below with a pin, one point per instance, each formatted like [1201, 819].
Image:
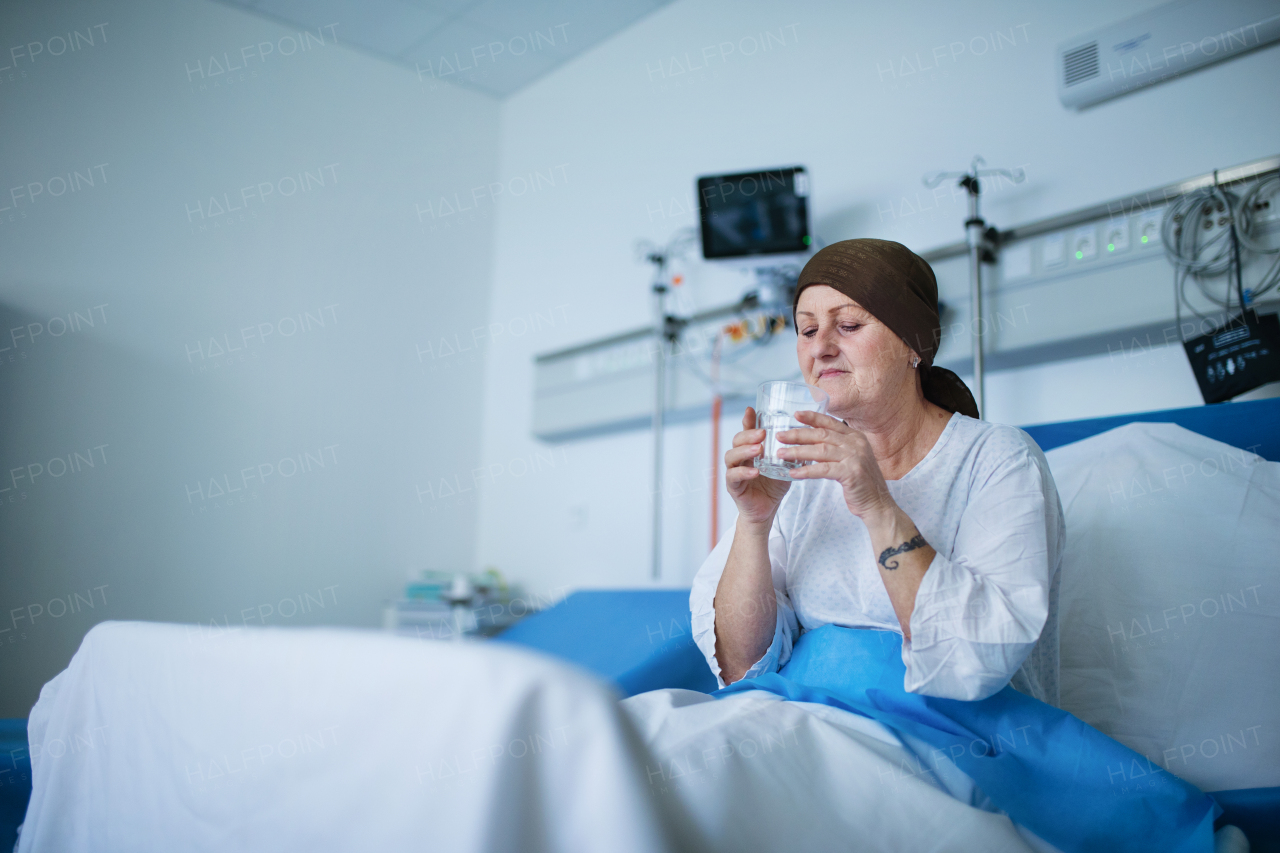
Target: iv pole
[667, 329]
[659, 260]
[666, 332]
[983, 243]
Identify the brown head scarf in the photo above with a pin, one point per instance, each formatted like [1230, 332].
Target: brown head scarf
[899, 289]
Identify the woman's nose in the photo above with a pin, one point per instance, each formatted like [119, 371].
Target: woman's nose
[822, 344]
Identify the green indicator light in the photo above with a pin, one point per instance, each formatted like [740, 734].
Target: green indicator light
[806, 240]
[1144, 238]
[1079, 255]
[1111, 247]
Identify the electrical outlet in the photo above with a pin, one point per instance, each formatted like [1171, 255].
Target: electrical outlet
[1054, 251]
[1149, 227]
[1116, 236]
[1084, 243]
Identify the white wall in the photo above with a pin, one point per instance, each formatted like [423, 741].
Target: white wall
[417, 390]
[831, 93]
[138, 534]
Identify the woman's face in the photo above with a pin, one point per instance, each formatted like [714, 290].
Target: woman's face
[856, 359]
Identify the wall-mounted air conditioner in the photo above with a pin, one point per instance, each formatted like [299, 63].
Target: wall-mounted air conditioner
[1158, 45]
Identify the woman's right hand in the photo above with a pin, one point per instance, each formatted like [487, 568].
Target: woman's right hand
[756, 495]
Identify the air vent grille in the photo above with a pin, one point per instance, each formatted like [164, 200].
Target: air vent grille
[1080, 64]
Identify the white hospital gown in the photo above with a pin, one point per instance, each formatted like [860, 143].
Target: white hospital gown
[986, 612]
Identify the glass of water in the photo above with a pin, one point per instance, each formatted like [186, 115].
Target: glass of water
[776, 407]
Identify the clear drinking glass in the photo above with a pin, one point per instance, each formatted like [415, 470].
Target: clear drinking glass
[776, 407]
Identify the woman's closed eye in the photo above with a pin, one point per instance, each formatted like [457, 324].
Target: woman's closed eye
[845, 328]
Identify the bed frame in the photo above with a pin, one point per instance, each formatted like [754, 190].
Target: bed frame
[642, 639]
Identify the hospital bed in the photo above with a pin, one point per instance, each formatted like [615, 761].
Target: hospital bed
[641, 640]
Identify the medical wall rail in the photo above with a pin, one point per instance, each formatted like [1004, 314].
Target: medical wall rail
[1092, 281]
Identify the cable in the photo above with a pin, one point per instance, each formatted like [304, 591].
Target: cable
[1255, 200]
[1180, 298]
[688, 361]
[1182, 239]
[1235, 256]
[1200, 252]
[1252, 202]
[1196, 256]
[768, 328]
[1268, 281]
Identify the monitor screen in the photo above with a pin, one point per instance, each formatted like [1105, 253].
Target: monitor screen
[755, 213]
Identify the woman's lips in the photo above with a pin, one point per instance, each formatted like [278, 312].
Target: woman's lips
[824, 374]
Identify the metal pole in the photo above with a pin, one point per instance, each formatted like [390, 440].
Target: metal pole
[974, 228]
[659, 410]
[976, 234]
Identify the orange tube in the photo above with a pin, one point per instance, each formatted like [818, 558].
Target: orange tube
[716, 403]
[715, 469]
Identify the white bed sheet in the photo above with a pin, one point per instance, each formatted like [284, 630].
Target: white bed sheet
[161, 738]
[761, 773]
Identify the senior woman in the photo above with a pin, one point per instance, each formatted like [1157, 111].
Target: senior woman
[915, 529]
[910, 515]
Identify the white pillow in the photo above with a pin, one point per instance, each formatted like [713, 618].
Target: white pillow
[1170, 602]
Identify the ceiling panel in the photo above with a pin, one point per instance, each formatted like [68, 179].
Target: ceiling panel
[468, 55]
[494, 46]
[378, 25]
[447, 7]
[582, 23]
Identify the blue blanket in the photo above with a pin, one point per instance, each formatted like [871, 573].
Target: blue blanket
[1052, 773]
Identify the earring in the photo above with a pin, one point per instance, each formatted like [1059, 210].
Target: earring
[915, 361]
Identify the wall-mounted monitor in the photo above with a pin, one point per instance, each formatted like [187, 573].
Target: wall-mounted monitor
[755, 213]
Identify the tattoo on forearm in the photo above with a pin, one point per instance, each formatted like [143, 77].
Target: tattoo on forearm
[911, 544]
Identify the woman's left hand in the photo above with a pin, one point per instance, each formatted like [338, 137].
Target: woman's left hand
[841, 453]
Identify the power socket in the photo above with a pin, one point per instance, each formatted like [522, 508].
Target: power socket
[1149, 227]
[1116, 236]
[1084, 243]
